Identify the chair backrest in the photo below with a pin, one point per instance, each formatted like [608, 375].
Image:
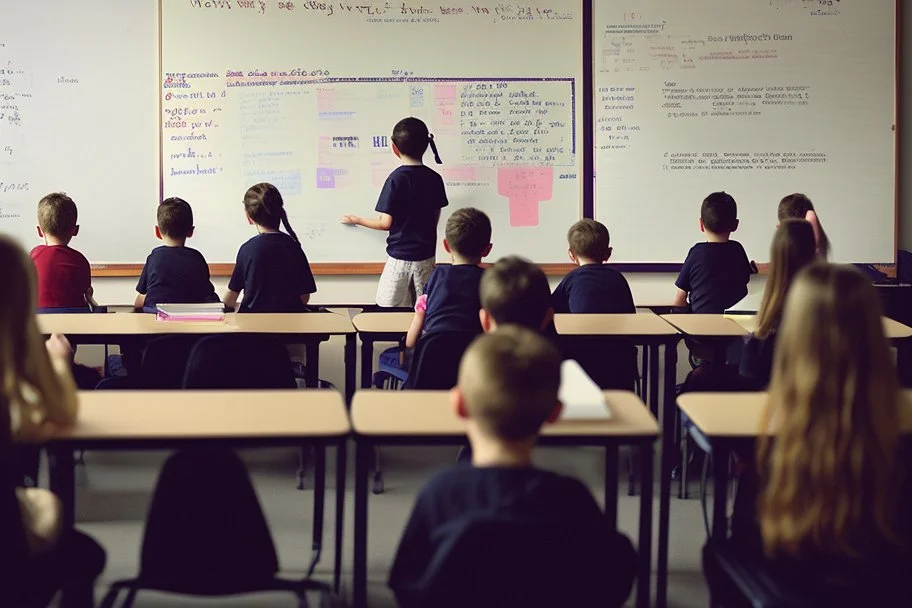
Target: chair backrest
[205, 531]
[610, 362]
[164, 362]
[435, 362]
[493, 561]
[243, 361]
[73, 310]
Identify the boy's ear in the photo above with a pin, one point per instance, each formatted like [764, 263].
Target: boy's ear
[610, 251]
[189, 234]
[702, 227]
[735, 226]
[40, 233]
[572, 257]
[457, 399]
[158, 233]
[487, 250]
[76, 230]
[446, 246]
[396, 151]
[487, 321]
[555, 413]
[549, 317]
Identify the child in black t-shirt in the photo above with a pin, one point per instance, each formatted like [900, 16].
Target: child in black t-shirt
[516, 291]
[452, 301]
[593, 287]
[716, 272]
[174, 273]
[271, 268]
[508, 385]
[409, 208]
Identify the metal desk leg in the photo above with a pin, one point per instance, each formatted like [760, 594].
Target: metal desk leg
[645, 541]
[654, 380]
[363, 451]
[63, 481]
[351, 355]
[720, 457]
[341, 456]
[611, 484]
[667, 423]
[319, 504]
[312, 369]
[367, 361]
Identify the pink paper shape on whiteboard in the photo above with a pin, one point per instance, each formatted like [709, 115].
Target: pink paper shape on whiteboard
[525, 188]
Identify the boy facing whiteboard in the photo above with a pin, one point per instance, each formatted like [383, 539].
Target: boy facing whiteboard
[409, 208]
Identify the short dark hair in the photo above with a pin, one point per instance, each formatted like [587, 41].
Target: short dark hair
[514, 290]
[175, 218]
[719, 212]
[468, 232]
[411, 137]
[589, 239]
[510, 380]
[57, 215]
[795, 206]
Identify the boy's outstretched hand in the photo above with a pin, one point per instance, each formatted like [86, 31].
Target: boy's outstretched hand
[352, 220]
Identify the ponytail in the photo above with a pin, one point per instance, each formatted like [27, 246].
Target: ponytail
[287, 226]
[434, 149]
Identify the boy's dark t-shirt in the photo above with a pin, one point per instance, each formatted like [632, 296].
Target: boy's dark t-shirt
[413, 195]
[64, 276]
[273, 272]
[453, 298]
[176, 275]
[593, 289]
[528, 493]
[715, 275]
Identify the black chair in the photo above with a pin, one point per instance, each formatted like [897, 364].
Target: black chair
[241, 361]
[435, 362]
[495, 561]
[610, 362]
[740, 578]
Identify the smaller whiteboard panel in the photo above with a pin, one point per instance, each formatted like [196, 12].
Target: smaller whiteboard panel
[759, 98]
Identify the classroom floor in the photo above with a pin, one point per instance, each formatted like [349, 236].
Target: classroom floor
[114, 489]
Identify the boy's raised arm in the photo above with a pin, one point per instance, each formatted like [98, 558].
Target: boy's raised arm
[384, 222]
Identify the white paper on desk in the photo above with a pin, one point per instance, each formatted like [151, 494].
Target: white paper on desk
[582, 398]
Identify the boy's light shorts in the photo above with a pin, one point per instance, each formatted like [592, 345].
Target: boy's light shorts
[402, 282]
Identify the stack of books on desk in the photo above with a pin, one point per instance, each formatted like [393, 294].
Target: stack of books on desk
[190, 312]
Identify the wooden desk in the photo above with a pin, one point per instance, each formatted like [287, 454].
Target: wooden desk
[729, 418]
[894, 330]
[308, 328]
[144, 420]
[427, 418]
[707, 326]
[376, 327]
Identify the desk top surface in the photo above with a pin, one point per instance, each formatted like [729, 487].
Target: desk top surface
[188, 415]
[419, 413]
[741, 414]
[894, 330]
[144, 323]
[706, 325]
[383, 322]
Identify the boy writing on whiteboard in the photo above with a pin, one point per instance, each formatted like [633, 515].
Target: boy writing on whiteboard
[64, 275]
[409, 208]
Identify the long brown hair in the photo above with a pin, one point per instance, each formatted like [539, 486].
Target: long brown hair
[265, 206]
[792, 249]
[830, 474]
[28, 381]
[799, 206]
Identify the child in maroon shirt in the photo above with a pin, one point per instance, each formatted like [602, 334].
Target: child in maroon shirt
[64, 275]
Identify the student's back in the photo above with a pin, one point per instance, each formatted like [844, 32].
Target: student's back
[453, 300]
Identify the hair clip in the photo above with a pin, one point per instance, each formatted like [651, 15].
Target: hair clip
[434, 149]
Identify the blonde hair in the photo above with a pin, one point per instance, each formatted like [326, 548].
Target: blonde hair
[831, 472]
[509, 379]
[57, 215]
[28, 380]
[792, 249]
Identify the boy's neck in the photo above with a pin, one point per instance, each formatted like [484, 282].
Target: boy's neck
[717, 237]
[265, 230]
[489, 451]
[409, 161]
[461, 260]
[54, 241]
[173, 242]
[586, 261]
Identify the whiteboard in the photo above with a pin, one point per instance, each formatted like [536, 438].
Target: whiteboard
[760, 98]
[79, 113]
[307, 99]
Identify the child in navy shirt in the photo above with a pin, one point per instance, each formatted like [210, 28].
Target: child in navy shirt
[409, 207]
[507, 389]
[174, 273]
[271, 268]
[452, 301]
[715, 274]
[593, 287]
[516, 291]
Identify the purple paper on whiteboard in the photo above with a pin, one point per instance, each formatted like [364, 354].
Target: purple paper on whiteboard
[326, 177]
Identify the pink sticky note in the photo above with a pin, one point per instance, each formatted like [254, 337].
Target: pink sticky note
[525, 187]
[445, 93]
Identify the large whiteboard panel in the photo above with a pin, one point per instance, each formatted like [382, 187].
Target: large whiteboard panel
[759, 98]
[307, 98]
[79, 113]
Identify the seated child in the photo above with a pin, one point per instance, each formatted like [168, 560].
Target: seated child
[174, 273]
[451, 301]
[592, 287]
[827, 503]
[271, 268]
[514, 290]
[508, 385]
[793, 248]
[799, 206]
[64, 274]
[715, 274]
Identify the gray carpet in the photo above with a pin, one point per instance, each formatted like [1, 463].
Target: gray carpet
[114, 489]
